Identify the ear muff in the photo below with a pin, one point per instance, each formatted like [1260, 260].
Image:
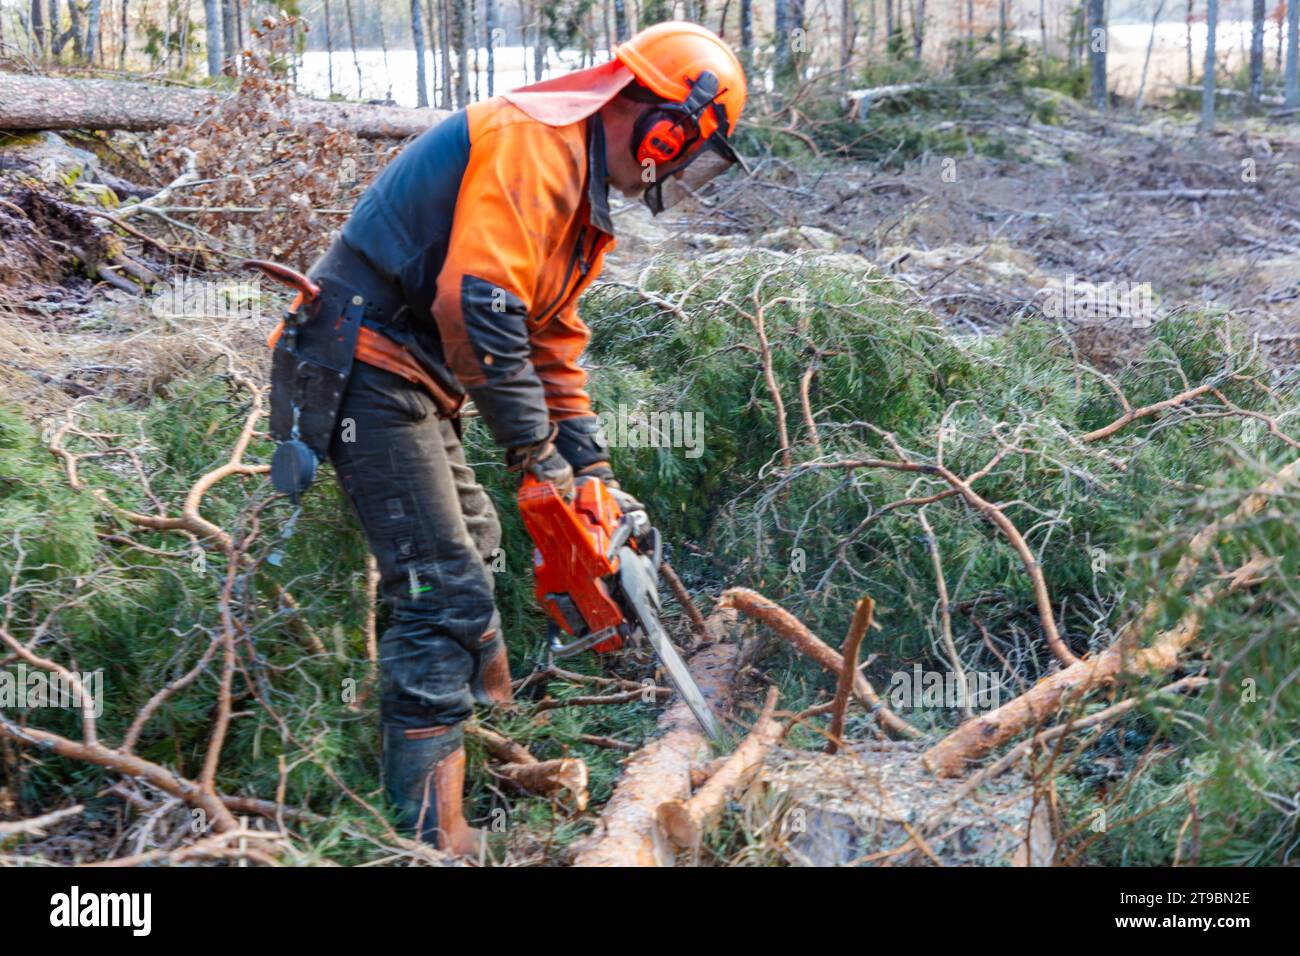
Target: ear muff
[664, 134]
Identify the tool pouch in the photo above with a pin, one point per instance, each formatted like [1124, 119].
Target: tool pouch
[310, 368]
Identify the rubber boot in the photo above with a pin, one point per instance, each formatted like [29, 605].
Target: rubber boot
[424, 777]
[490, 682]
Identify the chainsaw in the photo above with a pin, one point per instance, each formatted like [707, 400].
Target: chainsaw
[596, 573]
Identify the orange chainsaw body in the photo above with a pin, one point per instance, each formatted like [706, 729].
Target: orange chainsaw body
[572, 557]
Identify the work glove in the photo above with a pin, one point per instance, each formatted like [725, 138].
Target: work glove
[544, 462]
[626, 501]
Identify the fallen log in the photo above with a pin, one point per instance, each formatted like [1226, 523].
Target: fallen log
[976, 738]
[627, 833]
[685, 822]
[752, 604]
[543, 777]
[47, 102]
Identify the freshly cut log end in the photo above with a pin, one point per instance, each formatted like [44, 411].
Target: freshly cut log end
[551, 777]
[861, 809]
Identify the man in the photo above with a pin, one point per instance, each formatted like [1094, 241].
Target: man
[457, 275]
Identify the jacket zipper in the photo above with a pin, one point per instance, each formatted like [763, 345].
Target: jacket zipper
[583, 264]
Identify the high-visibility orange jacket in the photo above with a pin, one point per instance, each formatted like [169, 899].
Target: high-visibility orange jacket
[492, 224]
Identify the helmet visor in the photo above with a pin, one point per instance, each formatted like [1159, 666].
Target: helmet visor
[686, 181]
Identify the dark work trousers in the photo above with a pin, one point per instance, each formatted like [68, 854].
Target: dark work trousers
[433, 530]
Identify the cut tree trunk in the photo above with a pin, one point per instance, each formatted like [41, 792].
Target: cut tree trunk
[685, 822]
[628, 833]
[39, 102]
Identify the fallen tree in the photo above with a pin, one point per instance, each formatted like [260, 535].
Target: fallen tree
[55, 103]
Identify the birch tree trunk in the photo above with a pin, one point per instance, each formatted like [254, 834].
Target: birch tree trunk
[1207, 95]
[1191, 6]
[1257, 15]
[1293, 53]
[444, 33]
[40, 38]
[846, 35]
[781, 38]
[461, 28]
[329, 49]
[747, 27]
[490, 24]
[421, 70]
[126, 36]
[92, 31]
[229, 42]
[352, 42]
[212, 17]
[620, 21]
[1097, 53]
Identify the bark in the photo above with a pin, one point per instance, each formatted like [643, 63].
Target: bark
[490, 26]
[91, 46]
[212, 17]
[1207, 94]
[976, 738]
[747, 26]
[846, 35]
[782, 59]
[461, 28]
[329, 49]
[40, 35]
[36, 102]
[421, 70]
[620, 20]
[1191, 8]
[628, 833]
[685, 822]
[229, 40]
[1256, 53]
[1293, 53]
[352, 42]
[1097, 53]
[126, 35]
[444, 38]
[786, 625]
